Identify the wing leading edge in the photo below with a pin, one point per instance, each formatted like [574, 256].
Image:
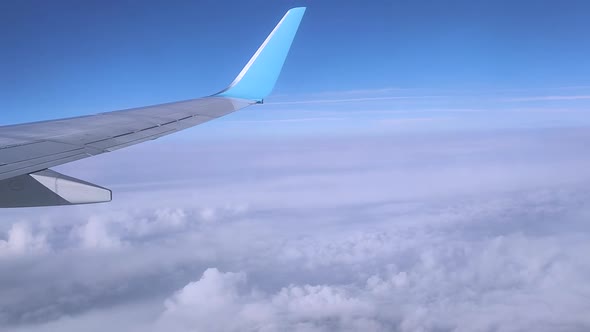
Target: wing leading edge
[28, 150]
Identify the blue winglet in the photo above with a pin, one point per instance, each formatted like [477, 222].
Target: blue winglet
[258, 77]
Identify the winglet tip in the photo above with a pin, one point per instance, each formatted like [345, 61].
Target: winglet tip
[258, 77]
[294, 9]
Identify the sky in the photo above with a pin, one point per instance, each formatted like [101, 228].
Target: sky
[420, 166]
[66, 58]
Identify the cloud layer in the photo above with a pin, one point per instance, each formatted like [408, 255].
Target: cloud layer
[447, 232]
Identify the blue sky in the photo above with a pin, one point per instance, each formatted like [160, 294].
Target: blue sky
[518, 64]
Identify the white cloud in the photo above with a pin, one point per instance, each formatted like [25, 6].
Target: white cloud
[463, 233]
[550, 98]
[218, 302]
[207, 304]
[96, 235]
[22, 240]
[510, 283]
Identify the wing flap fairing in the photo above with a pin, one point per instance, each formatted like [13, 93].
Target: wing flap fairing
[50, 188]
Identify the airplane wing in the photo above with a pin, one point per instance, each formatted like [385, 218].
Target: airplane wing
[28, 150]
